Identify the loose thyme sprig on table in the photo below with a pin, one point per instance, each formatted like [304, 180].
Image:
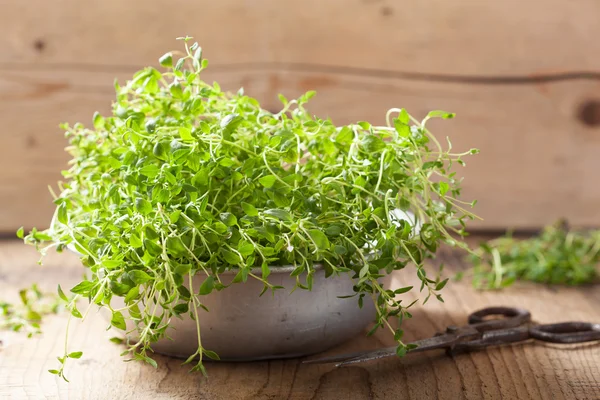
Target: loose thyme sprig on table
[185, 179]
[26, 315]
[556, 256]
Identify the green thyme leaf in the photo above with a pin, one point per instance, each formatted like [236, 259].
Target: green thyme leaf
[249, 209]
[207, 286]
[319, 238]
[268, 181]
[118, 321]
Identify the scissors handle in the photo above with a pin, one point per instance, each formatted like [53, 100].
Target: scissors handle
[512, 317]
[566, 332]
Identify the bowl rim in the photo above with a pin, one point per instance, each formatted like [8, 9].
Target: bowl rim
[275, 269]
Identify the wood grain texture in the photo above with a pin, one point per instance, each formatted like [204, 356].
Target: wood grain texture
[522, 371]
[517, 74]
[430, 36]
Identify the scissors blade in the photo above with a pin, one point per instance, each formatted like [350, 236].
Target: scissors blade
[436, 342]
[351, 358]
[343, 357]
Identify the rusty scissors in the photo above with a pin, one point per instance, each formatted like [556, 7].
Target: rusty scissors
[514, 325]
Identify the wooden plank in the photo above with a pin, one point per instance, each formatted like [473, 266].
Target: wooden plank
[536, 160]
[469, 37]
[517, 74]
[524, 371]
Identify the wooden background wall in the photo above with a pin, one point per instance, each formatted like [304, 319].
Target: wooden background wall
[522, 76]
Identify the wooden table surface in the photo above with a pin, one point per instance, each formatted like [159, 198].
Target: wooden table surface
[522, 371]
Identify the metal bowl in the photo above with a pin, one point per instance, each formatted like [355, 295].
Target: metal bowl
[241, 326]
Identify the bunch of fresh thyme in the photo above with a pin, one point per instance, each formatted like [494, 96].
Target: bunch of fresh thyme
[556, 256]
[185, 179]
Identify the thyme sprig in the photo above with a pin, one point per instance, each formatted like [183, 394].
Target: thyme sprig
[27, 314]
